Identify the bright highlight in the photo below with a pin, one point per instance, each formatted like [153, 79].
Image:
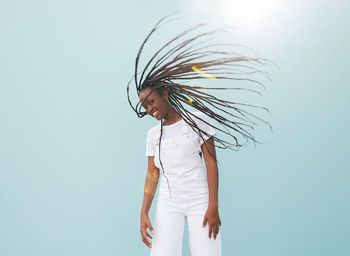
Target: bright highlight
[203, 73]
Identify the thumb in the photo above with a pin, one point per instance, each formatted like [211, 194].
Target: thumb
[150, 227]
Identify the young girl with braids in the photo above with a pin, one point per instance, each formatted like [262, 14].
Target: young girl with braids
[182, 145]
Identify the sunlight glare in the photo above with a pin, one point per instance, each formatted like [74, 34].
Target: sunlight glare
[246, 14]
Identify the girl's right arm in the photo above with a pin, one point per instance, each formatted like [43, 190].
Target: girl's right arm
[151, 183]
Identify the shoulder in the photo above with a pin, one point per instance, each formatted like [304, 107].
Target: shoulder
[204, 122]
[200, 117]
[197, 113]
[152, 132]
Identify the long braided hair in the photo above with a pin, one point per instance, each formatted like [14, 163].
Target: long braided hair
[189, 58]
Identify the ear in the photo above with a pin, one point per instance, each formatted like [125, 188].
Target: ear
[165, 94]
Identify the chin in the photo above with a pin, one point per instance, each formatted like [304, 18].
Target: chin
[159, 117]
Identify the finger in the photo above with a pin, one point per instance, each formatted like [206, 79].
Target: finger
[147, 242]
[204, 222]
[149, 235]
[210, 231]
[216, 231]
[145, 239]
[144, 234]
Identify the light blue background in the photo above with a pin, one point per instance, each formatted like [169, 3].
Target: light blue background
[72, 150]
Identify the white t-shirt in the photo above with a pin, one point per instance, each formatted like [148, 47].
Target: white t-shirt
[175, 129]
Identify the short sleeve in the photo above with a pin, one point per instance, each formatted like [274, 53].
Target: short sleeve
[205, 126]
[150, 143]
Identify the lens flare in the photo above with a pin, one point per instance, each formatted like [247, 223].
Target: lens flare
[203, 73]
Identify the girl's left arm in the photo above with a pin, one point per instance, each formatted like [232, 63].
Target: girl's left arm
[212, 214]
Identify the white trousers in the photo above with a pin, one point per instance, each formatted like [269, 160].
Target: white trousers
[189, 202]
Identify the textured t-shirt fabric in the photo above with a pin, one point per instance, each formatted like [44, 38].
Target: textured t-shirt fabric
[176, 129]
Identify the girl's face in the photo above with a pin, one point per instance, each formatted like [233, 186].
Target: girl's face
[156, 104]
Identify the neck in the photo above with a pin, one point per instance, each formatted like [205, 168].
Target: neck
[171, 117]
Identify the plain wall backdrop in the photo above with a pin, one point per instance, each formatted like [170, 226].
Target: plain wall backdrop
[72, 163]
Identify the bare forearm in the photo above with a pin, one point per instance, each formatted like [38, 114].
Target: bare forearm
[213, 184]
[208, 149]
[151, 183]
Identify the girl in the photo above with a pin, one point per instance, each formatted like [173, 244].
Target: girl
[182, 145]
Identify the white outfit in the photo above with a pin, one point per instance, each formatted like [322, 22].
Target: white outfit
[186, 173]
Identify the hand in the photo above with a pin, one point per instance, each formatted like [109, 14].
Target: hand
[146, 223]
[212, 218]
